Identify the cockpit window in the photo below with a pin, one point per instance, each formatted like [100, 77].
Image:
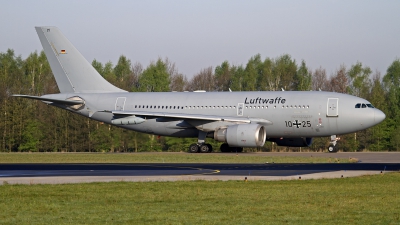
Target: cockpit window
[362, 105]
[370, 106]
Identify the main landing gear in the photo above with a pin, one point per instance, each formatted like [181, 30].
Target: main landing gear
[201, 146]
[333, 144]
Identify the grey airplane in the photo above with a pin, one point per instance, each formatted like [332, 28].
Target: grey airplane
[237, 119]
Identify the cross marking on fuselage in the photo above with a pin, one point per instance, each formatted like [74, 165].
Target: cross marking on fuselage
[296, 123]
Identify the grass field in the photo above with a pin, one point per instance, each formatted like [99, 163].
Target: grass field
[156, 158]
[360, 200]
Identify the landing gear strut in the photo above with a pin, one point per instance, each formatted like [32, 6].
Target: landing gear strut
[332, 144]
[201, 146]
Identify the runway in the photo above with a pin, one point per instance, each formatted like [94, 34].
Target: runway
[76, 173]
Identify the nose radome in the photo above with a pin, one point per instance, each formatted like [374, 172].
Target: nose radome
[379, 116]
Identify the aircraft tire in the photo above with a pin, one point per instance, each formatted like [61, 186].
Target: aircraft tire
[204, 148]
[210, 148]
[224, 148]
[332, 149]
[193, 148]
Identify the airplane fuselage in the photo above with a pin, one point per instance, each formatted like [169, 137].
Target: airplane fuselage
[292, 113]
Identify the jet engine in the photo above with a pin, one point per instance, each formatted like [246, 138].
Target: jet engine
[292, 142]
[242, 135]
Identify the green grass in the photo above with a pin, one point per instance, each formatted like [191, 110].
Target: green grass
[156, 158]
[359, 200]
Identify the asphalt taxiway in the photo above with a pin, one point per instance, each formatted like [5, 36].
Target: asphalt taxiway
[369, 163]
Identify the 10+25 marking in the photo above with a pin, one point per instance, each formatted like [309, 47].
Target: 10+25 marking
[298, 124]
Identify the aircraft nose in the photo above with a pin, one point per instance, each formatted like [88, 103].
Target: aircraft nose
[379, 116]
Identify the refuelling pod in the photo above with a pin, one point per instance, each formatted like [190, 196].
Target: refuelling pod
[128, 120]
[242, 135]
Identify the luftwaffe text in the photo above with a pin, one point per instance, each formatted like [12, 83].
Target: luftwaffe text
[258, 100]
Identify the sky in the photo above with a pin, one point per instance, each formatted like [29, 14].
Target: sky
[198, 34]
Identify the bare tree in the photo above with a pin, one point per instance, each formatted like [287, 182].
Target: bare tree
[133, 79]
[202, 81]
[320, 80]
[339, 82]
[171, 68]
[179, 82]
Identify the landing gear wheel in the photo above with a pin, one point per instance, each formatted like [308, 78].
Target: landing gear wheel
[193, 148]
[333, 144]
[225, 148]
[210, 148]
[332, 149]
[204, 148]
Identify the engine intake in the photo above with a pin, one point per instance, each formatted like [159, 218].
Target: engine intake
[242, 135]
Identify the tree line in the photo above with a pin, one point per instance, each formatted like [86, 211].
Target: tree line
[28, 125]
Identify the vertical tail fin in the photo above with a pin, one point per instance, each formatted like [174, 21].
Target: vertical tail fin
[72, 71]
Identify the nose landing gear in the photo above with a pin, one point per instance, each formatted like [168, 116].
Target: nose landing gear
[333, 144]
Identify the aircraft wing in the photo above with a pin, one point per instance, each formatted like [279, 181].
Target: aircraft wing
[51, 100]
[184, 116]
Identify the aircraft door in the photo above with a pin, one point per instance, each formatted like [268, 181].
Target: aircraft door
[120, 103]
[240, 109]
[333, 107]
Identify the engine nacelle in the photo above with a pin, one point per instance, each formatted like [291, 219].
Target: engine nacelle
[292, 142]
[242, 135]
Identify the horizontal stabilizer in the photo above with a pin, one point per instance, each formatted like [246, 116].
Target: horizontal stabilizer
[51, 100]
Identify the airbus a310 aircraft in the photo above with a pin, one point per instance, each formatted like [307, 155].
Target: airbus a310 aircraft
[238, 119]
